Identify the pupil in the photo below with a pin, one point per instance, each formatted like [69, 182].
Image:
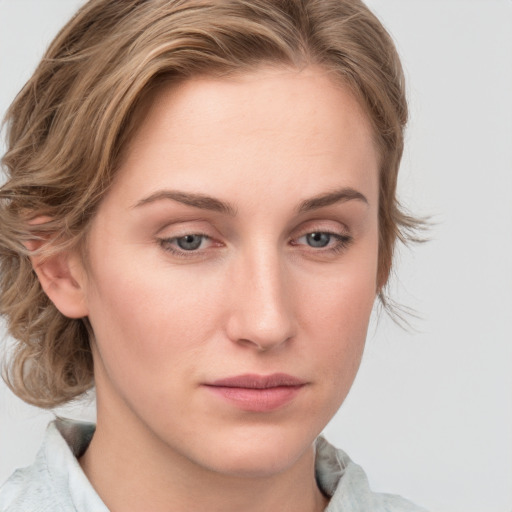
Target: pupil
[318, 239]
[189, 242]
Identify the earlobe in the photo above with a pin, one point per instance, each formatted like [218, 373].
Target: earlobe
[62, 278]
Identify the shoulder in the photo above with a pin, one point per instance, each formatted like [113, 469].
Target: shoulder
[30, 490]
[55, 481]
[346, 482]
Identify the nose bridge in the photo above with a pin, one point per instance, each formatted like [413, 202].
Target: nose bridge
[261, 314]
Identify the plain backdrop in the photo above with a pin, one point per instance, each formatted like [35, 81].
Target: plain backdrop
[430, 413]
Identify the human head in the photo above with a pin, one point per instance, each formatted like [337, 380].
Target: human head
[69, 125]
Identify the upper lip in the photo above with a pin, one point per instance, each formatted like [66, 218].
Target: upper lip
[252, 381]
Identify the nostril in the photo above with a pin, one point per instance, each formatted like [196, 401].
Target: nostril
[264, 345]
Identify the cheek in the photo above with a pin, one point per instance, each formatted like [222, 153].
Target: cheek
[341, 321]
[149, 320]
[336, 312]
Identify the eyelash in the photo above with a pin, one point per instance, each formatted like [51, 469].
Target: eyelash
[166, 244]
[341, 243]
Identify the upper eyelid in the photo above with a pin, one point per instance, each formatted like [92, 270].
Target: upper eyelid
[180, 228]
[319, 226]
[296, 233]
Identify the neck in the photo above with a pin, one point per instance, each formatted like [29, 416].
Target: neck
[130, 468]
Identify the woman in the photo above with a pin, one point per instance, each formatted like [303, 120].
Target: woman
[199, 214]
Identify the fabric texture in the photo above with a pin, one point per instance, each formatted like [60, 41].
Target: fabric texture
[56, 482]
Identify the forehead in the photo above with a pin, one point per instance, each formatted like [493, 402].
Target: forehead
[267, 125]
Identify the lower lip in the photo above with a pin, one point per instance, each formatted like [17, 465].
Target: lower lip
[257, 400]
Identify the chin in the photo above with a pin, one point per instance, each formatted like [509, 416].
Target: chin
[254, 454]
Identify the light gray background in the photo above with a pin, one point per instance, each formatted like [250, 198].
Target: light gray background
[430, 414]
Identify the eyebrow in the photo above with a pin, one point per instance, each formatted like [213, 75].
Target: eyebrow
[205, 202]
[338, 196]
[200, 201]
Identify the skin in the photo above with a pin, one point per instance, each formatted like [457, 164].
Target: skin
[254, 298]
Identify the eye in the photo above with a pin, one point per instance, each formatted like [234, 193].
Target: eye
[324, 241]
[186, 245]
[318, 239]
[190, 242]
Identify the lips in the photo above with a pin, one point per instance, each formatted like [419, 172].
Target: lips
[258, 381]
[257, 393]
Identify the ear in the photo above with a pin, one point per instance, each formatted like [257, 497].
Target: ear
[62, 278]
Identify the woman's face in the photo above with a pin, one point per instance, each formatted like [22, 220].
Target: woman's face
[232, 268]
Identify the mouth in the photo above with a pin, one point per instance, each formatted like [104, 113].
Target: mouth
[257, 393]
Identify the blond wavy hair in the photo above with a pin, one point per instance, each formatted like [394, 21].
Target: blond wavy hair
[67, 128]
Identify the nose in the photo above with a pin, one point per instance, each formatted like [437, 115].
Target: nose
[260, 302]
